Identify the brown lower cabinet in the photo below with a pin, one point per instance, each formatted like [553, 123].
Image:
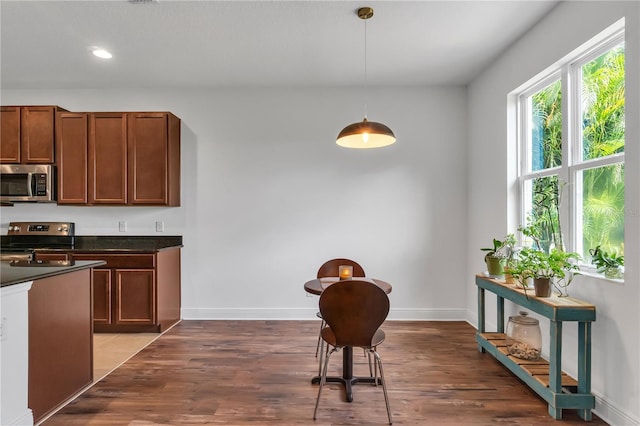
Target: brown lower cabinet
[132, 292]
[60, 340]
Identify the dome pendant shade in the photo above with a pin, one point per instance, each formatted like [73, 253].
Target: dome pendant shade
[365, 134]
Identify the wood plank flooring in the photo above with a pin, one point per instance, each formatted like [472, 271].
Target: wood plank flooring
[259, 373]
[110, 350]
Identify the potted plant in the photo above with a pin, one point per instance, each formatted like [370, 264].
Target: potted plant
[545, 269]
[495, 257]
[609, 263]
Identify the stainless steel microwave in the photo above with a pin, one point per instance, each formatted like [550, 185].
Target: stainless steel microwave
[27, 183]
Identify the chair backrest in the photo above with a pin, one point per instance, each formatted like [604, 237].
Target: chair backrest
[330, 268]
[354, 310]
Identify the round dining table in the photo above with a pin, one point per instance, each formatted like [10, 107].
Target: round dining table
[316, 286]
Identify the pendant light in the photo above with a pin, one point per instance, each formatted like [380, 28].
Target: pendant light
[365, 134]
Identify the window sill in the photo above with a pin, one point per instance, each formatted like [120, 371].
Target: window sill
[591, 272]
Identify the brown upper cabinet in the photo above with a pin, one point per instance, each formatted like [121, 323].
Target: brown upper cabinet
[71, 151]
[120, 158]
[27, 135]
[154, 158]
[108, 158]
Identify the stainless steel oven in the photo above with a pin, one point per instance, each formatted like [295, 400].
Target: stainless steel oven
[23, 238]
[27, 183]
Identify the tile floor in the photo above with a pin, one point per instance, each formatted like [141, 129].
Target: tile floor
[110, 350]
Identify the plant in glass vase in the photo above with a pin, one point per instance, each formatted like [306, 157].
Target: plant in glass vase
[609, 263]
[512, 258]
[543, 221]
[546, 262]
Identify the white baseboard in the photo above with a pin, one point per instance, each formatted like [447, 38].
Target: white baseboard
[24, 419]
[612, 414]
[310, 314]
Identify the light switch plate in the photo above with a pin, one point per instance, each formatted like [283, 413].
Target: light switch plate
[3, 329]
[159, 226]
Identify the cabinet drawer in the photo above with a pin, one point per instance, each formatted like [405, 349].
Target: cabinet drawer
[120, 261]
[50, 256]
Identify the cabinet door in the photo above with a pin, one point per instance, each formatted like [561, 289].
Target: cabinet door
[108, 158]
[135, 296]
[154, 158]
[102, 296]
[37, 134]
[148, 158]
[10, 135]
[72, 154]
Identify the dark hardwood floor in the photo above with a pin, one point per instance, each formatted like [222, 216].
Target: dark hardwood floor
[259, 373]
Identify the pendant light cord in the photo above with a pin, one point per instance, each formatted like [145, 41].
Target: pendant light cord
[366, 82]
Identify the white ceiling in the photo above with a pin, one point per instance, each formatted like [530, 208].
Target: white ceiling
[46, 44]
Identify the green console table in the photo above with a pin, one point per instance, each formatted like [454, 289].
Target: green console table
[545, 377]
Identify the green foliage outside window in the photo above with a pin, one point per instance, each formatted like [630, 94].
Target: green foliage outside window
[547, 127]
[603, 131]
[603, 87]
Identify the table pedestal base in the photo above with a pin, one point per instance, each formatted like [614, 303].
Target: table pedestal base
[347, 378]
[348, 383]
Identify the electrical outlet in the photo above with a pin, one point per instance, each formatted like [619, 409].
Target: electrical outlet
[3, 329]
[159, 226]
[122, 226]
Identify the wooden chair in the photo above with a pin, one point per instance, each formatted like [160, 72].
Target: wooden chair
[354, 310]
[330, 269]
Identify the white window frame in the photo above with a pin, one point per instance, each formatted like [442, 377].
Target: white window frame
[568, 72]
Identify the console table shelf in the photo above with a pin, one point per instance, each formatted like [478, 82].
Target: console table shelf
[546, 378]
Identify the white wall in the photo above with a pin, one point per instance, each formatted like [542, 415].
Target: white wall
[267, 195]
[14, 363]
[616, 337]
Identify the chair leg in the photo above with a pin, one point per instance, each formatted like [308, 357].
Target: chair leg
[320, 341]
[373, 370]
[375, 367]
[323, 379]
[320, 346]
[323, 355]
[326, 353]
[384, 385]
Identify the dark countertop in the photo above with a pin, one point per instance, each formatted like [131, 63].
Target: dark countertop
[127, 243]
[18, 274]
[86, 243]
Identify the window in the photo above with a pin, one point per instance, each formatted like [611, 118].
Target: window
[571, 135]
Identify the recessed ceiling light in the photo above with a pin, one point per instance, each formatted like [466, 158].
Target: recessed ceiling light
[101, 53]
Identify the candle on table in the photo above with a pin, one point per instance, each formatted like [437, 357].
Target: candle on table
[345, 272]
